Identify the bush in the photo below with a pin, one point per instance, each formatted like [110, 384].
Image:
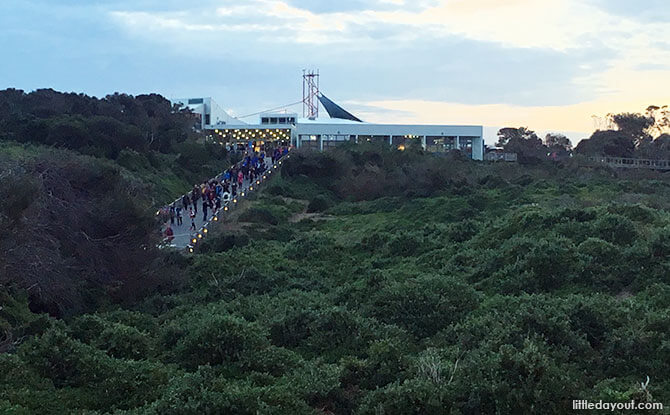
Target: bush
[259, 215]
[223, 243]
[616, 229]
[124, 342]
[63, 360]
[405, 244]
[216, 339]
[424, 305]
[318, 204]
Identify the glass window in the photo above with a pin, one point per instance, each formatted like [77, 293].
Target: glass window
[195, 101]
[309, 142]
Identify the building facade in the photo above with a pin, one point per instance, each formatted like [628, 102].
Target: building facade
[324, 133]
[208, 112]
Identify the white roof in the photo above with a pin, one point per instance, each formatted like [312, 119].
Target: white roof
[327, 121]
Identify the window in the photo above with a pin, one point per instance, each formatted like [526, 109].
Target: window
[273, 121]
[208, 119]
[334, 140]
[195, 101]
[309, 142]
[282, 121]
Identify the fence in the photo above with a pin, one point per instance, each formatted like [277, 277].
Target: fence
[631, 163]
[493, 156]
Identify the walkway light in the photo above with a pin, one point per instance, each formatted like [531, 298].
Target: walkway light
[205, 231]
[199, 236]
[225, 209]
[194, 241]
[242, 194]
[258, 182]
[216, 218]
[234, 200]
[251, 188]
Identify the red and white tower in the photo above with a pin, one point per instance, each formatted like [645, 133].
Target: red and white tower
[310, 93]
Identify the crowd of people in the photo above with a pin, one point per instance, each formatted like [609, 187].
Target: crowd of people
[211, 195]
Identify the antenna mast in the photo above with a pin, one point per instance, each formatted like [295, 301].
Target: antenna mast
[310, 93]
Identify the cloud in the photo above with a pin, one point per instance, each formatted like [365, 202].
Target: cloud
[647, 11]
[329, 6]
[375, 52]
[521, 58]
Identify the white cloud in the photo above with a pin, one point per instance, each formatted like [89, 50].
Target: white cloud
[279, 30]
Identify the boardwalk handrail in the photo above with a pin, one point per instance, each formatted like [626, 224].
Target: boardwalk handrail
[199, 234]
[631, 163]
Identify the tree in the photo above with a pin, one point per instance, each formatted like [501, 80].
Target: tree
[607, 143]
[505, 135]
[661, 117]
[658, 149]
[524, 142]
[635, 126]
[557, 142]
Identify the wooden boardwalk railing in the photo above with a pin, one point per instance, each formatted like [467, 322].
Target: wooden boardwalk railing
[630, 163]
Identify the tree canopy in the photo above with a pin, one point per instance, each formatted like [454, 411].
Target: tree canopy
[636, 136]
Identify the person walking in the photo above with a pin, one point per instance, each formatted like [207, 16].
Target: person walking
[240, 178]
[205, 204]
[172, 214]
[195, 195]
[169, 234]
[191, 213]
[180, 216]
[185, 201]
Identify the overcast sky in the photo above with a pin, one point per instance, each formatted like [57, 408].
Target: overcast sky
[550, 65]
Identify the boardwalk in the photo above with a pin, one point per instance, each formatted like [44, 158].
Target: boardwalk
[186, 238]
[631, 163]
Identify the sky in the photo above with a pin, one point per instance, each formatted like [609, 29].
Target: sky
[550, 65]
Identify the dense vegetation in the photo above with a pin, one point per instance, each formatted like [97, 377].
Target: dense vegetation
[79, 180]
[372, 281]
[145, 134]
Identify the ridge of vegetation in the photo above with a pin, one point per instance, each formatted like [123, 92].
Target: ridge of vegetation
[437, 285]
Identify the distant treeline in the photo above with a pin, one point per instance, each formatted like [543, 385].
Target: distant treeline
[100, 127]
[628, 135]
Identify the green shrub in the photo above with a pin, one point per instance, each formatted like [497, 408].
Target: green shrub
[124, 342]
[223, 243]
[424, 305]
[318, 204]
[405, 244]
[615, 228]
[64, 360]
[259, 215]
[216, 339]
